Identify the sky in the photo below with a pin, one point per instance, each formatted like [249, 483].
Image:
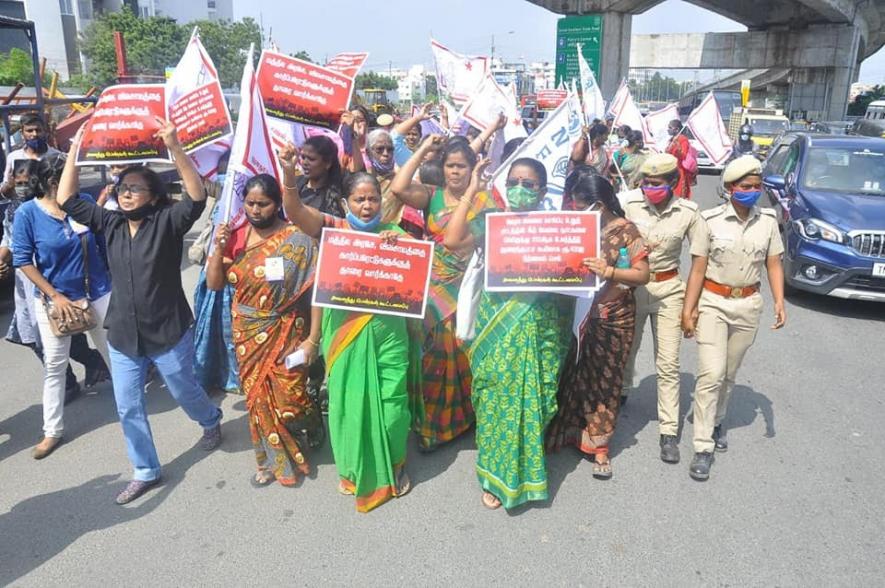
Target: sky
[396, 32]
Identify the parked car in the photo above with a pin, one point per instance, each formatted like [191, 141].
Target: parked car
[829, 192]
[704, 161]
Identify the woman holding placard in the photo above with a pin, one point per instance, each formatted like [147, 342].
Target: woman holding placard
[371, 361]
[590, 386]
[447, 410]
[270, 264]
[515, 358]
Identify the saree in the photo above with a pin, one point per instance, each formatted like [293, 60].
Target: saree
[372, 371]
[593, 374]
[215, 362]
[270, 320]
[447, 410]
[515, 360]
[678, 148]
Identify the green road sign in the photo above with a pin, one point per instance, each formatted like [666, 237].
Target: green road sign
[571, 30]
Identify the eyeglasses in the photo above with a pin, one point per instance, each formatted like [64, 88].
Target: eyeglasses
[133, 189]
[383, 149]
[528, 184]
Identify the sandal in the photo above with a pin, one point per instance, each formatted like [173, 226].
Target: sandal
[403, 483]
[490, 501]
[343, 489]
[262, 478]
[601, 470]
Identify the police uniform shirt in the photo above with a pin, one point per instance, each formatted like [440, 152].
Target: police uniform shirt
[664, 230]
[737, 250]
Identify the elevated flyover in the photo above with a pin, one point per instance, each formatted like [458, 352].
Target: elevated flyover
[818, 43]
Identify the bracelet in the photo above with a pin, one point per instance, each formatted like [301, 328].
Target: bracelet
[611, 275]
[312, 342]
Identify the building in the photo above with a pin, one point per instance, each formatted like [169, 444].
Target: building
[410, 82]
[516, 74]
[544, 75]
[857, 89]
[58, 23]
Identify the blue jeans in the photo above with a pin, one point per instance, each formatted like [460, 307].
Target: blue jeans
[177, 368]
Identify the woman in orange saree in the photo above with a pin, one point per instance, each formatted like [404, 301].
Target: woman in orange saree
[270, 264]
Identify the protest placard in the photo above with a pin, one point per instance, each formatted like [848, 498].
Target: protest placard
[359, 271]
[540, 251]
[348, 63]
[201, 117]
[122, 128]
[298, 91]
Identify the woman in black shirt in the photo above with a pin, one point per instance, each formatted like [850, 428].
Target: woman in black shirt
[148, 320]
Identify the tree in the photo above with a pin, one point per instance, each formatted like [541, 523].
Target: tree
[152, 44]
[858, 107]
[431, 90]
[15, 67]
[373, 79]
[302, 55]
[227, 44]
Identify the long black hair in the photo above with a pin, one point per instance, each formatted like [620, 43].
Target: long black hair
[328, 152]
[268, 184]
[48, 173]
[590, 187]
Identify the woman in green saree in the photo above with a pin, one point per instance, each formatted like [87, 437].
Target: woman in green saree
[515, 359]
[371, 363]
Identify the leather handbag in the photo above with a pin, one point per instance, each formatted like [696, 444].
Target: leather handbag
[85, 318]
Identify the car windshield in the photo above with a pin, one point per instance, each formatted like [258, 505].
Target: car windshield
[843, 169]
[767, 126]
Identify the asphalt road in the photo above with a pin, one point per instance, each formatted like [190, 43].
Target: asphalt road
[799, 499]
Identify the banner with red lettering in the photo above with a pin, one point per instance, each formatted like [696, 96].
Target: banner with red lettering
[358, 271]
[201, 117]
[348, 63]
[302, 92]
[123, 125]
[540, 251]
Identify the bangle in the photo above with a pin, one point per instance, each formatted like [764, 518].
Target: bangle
[611, 273]
[312, 342]
[290, 187]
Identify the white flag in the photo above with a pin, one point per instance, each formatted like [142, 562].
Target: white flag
[591, 96]
[196, 69]
[488, 102]
[627, 113]
[457, 76]
[707, 126]
[551, 144]
[656, 124]
[252, 152]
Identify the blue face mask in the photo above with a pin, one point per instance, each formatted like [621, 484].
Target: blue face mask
[746, 199]
[357, 224]
[37, 145]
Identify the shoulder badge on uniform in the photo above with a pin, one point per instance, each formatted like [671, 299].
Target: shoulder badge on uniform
[768, 211]
[711, 212]
[689, 204]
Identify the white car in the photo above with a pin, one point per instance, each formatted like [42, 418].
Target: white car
[704, 161]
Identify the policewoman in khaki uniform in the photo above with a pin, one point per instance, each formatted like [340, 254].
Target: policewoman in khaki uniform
[723, 305]
[664, 222]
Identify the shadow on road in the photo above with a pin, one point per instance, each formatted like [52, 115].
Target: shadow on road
[839, 307]
[43, 526]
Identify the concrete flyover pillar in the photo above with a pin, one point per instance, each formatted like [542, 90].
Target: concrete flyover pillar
[617, 29]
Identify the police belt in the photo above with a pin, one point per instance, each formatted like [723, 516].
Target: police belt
[730, 291]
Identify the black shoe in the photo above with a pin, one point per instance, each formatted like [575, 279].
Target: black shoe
[96, 374]
[700, 466]
[669, 449]
[720, 439]
[623, 398]
[72, 393]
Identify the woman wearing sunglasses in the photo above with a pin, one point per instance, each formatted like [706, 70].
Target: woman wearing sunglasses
[590, 386]
[515, 358]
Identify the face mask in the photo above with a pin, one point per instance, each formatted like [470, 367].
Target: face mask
[656, 194]
[521, 198]
[139, 213]
[23, 192]
[380, 168]
[746, 199]
[357, 224]
[37, 145]
[623, 142]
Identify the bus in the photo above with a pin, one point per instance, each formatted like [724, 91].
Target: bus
[727, 100]
[873, 122]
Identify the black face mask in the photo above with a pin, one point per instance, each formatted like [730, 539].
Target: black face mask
[264, 223]
[137, 214]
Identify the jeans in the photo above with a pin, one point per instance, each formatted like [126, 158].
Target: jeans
[176, 365]
[56, 354]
